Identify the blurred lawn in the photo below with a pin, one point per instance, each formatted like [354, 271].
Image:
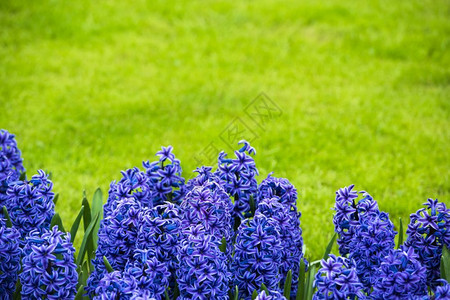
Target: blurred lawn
[94, 87]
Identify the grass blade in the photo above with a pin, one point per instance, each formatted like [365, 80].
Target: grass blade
[330, 246]
[6, 216]
[87, 237]
[287, 285]
[76, 224]
[400, 234]
[56, 220]
[301, 281]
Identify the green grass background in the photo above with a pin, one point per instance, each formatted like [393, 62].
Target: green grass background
[94, 87]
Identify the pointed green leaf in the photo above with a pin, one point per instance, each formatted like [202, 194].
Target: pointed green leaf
[287, 285]
[97, 207]
[75, 225]
[301, 281]
[264, 288]
[223, 245]
[55, 199]
[166, 295]
[6, 216]
[17, 295]
[107, 265]
[330, 246]
[87, 213]
[254, 294]
[252, 205]
[87, 237]
[445, 264]
[80, 293]
[310, 282]
[23, 176]
[400, 234]
[236, 293]
[56, 220]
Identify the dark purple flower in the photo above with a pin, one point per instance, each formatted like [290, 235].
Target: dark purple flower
[48, 268]
[9, 259]
[428, 232]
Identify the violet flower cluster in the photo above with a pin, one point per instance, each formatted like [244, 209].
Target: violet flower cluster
[9, 259]
[48, 270]
[31, 204]
[400, 276]
[337, 279]
[11, 165]
[203, 272]
[238, 178]
[428, 232]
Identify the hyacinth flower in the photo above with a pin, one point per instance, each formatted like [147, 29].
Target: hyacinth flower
[166, 181]
[159, 233]
[31, 204]
[204, 174]
[400, 276]
[272, 296]
[372, 240]
[9, 259]
[48, 268]
[203, 272]
[281, 188]
[257, 257]
[133, 184]
[337, 279]
[210, 206]
[149, 274]
[290, 235]
[428, 232]
[115, 285]
[11, 165]
[238, 178]
[117, 237]
[442, 291]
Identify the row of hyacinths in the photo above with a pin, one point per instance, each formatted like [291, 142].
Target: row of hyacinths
[220, 232]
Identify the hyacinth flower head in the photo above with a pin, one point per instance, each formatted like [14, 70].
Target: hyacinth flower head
[372, 240]
[442, 291]
[48, 268]
[273, 295]
[159, 233]
[115, 285]
[117, 237]
[10, 254]
[257, 257]
[210, 206]
[400, 276]
[238, 178]
[203, 272]
[337, 279]
[280, 188]
[290, 235]
[349, 212]
[31, 203]
[166, 181]
[428, 232]
[149, 274]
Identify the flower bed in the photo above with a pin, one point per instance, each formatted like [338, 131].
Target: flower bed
[220, 235]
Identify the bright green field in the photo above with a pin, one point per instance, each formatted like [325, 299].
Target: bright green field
[94, 87]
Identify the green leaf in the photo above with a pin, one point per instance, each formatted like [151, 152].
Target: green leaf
[18, 290]
[6, 216]
[107, 265]
[236, 293]
[252, 205]
[80, 293]
[301, 281]
[287, 285]
[56, 220]
[97, 207]
[310, 282]
[254, 294]
[87, 213]
[166, 295]
[55, 199]
[87, 220]
[330, 246]
[23, 176]
[264, 288]
[445, 264]
[75, 225]
[400, 234]
[87, 237]
[223, 245]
